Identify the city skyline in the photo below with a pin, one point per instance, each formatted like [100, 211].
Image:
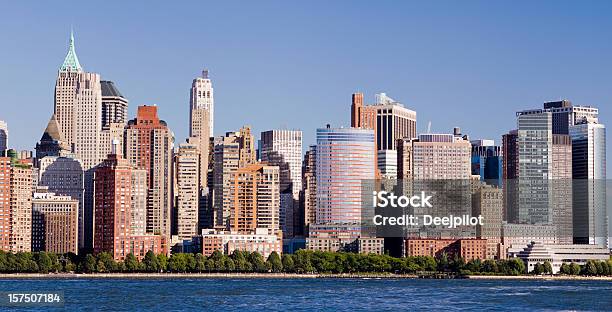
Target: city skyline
[494, 78]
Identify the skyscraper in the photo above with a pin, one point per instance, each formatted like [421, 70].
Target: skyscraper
[114, 104]
[148, 146]
[3, 136]
[345, 158]
[52, 142]
[201, 119]
[186, 190]
[15, 204]
[78, 110]
[561, 187]
[63, 176]
[589, 173]
[309, 181]
[487, 161]
[54, 222]
[255, 199]
[232, 151]
[114, 228]
[283, 148]
[441, 157]
[535, 165]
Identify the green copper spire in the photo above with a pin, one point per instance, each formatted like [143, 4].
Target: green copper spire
[71, 62]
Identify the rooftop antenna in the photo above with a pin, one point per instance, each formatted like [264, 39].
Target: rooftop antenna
[429, 127]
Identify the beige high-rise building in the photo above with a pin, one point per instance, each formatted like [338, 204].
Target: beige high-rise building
[441, 156]
[54, 222]
[488, 201]
[561, 187]
[309, 181]
[148, 146]
[234, 150]
[186, 190]
[139, 202]
[201, 118]
[78, 110]
[255, 199]
[15, 204]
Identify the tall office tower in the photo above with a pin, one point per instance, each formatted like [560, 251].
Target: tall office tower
[139, 202]
[441, 156]
[441, 163]
[356, 108]
[283, 148]
[561, 187]
[390, 121]
[55, 223]
[510, 175]
[3, 137]
[589, 174]
[148, 146]
[114, 104]
[393, 121]
[234, 150]
[63, 176]
[565, 115]
[487, 161]
[78, 110]
[112, 134]
[404, 158]
[255, 199]
[488, 202]
[186, 190]
[52, 142]
[201, 125]
[15, 204]
[114, 224]
[345, 160]
[535, 166]
[309, 193]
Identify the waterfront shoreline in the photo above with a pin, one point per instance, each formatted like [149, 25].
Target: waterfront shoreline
[17, 276]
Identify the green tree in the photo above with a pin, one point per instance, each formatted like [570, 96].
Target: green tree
[131, 263]
[565, 269]
[177, 263]
[547, 267]
[106, 263]
[89, 265]
[162, 259]
[200, 262]
[44, 262]
[574, 268]
[288, 264]
[590, 268]
[257, 260]
[275, 262]
[190, 262]
[538, 269]
[490, 266]
[150, 262]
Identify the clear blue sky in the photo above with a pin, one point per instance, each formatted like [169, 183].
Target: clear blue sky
[294, 64]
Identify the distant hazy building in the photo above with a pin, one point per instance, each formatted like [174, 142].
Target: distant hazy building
[15, 204]
[54, 223]
[114, 104]
[186, 190]
[3, 136]
[63, 176]
[255, 199]
[148, 146]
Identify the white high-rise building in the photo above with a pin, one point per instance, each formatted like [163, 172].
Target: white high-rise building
[283, 148]
[186, 162]
[78, 109]
[202, 98]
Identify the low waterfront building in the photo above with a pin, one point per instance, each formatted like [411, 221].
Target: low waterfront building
[468, 249]
[229, 241]
[536, 252]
